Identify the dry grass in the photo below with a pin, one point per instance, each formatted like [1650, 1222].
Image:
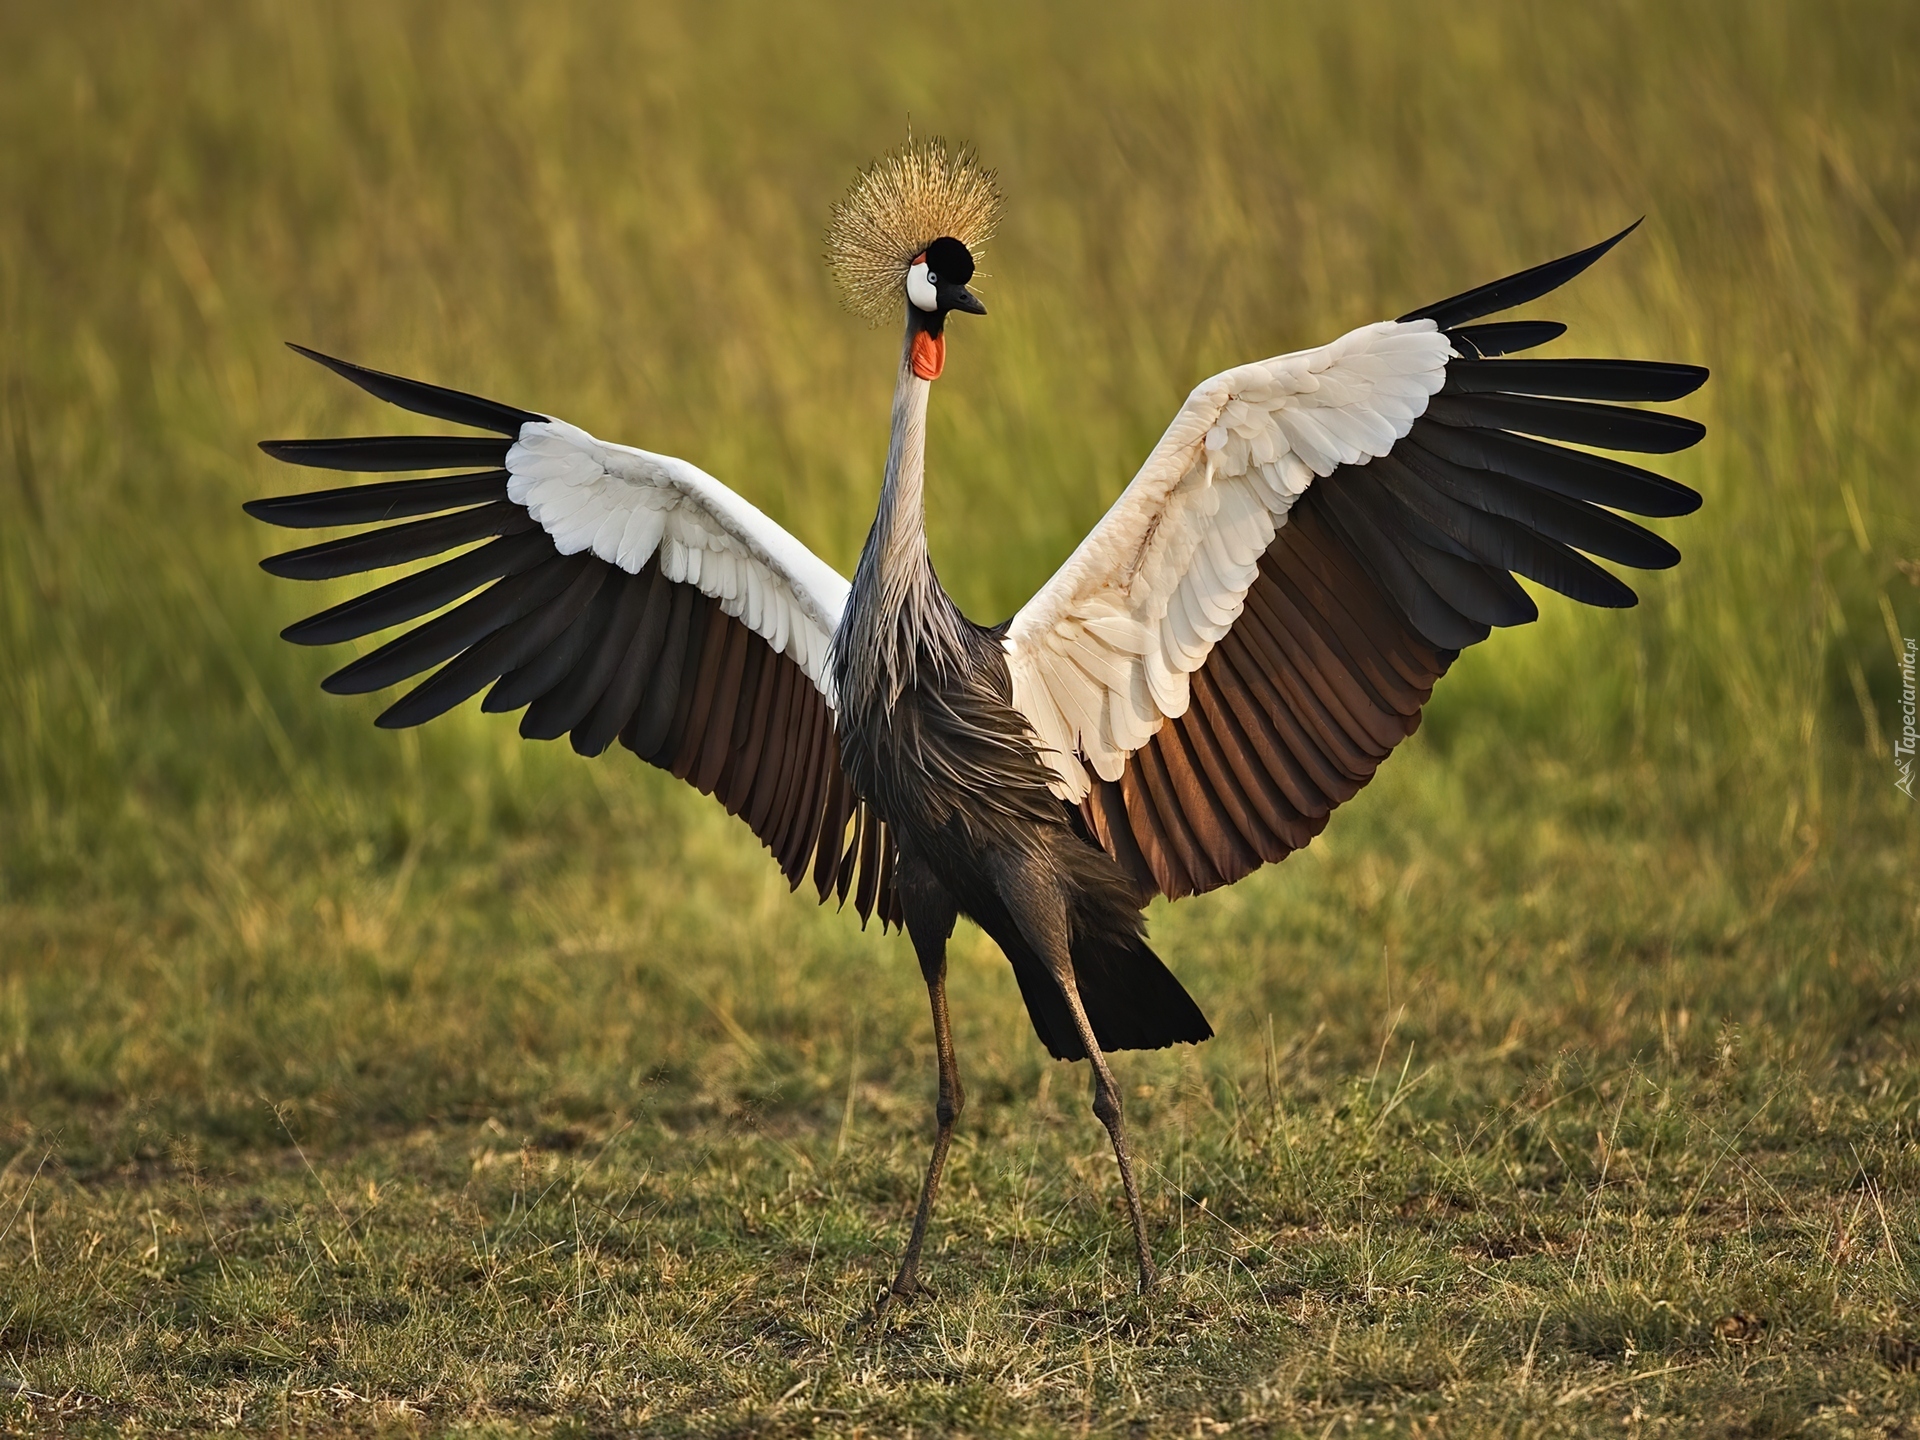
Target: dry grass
[376, 1084]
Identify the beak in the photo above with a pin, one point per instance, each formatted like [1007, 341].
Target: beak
[958, 297]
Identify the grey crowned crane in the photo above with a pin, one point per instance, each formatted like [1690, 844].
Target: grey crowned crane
[1226, 657]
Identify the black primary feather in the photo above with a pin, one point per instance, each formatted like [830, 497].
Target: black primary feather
[392, 452]
[1542, 512]
[1575, 379]
[398, 543]
[1503, 337]
[539, 673]
[567, 704]
[1514, 289]
[1509, 536]
[1572, 473]
[414, 596]
[447, 635]
[424, 399]
[1609, 427]
[633, 672]
[375, 504]
[1416, 599]
[480, 665]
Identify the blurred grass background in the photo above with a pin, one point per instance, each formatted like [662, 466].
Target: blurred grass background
[235, 918]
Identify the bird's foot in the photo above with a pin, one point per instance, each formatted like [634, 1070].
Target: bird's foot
[904, 1290]
[1149, 1276]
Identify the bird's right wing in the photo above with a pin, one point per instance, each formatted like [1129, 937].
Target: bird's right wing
[1253, 626]
[626, 595]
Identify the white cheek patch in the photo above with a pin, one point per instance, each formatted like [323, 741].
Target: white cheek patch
[920, 288]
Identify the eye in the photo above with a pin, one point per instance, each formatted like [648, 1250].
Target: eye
[932, 279]
[920, 288]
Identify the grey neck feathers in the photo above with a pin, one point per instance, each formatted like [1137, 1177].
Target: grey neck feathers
[899, 622]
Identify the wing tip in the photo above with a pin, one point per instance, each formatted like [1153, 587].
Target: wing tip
[344, 682]
[1525, 286]
[1687, 433]
[1595, 252]
[438, 401]
[345, 369]
[1698, 374]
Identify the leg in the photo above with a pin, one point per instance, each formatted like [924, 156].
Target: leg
[929, 913]
[1040, 911]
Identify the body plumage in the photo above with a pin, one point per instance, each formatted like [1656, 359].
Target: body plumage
[931, 739]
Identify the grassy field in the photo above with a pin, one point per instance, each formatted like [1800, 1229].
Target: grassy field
[354, 1082]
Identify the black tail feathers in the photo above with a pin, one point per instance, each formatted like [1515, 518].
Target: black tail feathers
[1132, 1000]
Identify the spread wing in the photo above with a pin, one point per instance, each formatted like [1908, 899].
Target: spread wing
[1257, 621]
[620, 595]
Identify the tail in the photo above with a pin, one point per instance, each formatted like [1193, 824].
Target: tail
[1132, 1000]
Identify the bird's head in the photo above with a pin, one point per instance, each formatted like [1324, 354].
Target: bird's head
[937, 279]
[879, 244]
[936, 286]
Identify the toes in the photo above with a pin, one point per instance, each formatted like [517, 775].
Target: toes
[903, 1291]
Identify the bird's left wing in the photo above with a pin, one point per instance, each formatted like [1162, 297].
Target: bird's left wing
[621, 594]
[1257, 621]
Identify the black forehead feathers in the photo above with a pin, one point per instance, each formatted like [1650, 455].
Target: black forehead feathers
[951, 261]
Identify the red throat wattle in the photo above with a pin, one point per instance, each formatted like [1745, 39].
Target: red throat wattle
[929, 355]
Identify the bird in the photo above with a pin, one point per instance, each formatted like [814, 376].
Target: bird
[1228, 655]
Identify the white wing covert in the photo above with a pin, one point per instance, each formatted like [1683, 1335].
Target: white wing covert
[1101, 655]
[628, 505]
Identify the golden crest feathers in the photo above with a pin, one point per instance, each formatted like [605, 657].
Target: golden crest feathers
[898, 206]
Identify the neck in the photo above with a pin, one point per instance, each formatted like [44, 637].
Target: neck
[896, 549]
[898, 618]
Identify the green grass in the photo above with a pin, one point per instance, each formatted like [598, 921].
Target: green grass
[353, 1082]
